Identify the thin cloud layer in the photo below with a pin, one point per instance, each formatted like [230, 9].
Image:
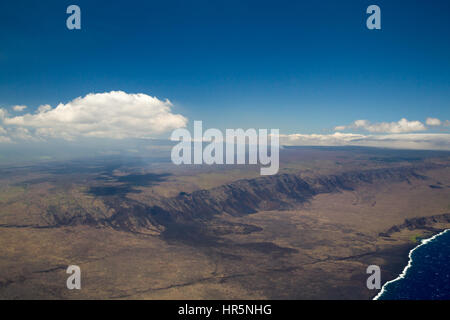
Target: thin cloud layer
[427, 141]
[19, 108]
[114, 115]
[336, 139]
[402, 126]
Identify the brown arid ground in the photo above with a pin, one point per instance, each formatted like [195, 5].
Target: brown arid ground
[308, 233]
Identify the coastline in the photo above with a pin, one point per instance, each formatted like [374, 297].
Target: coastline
[410, 260]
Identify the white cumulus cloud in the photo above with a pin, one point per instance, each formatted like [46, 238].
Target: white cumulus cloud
[114, 114]
[44, 108]
[433, 122]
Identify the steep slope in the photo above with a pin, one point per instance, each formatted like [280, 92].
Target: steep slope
[278, 192]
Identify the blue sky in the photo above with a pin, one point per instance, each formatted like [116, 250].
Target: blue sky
[300, 66]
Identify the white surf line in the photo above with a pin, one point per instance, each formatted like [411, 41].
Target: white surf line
[405, 270]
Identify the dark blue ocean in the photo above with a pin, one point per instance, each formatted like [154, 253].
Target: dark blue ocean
[428, 278]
